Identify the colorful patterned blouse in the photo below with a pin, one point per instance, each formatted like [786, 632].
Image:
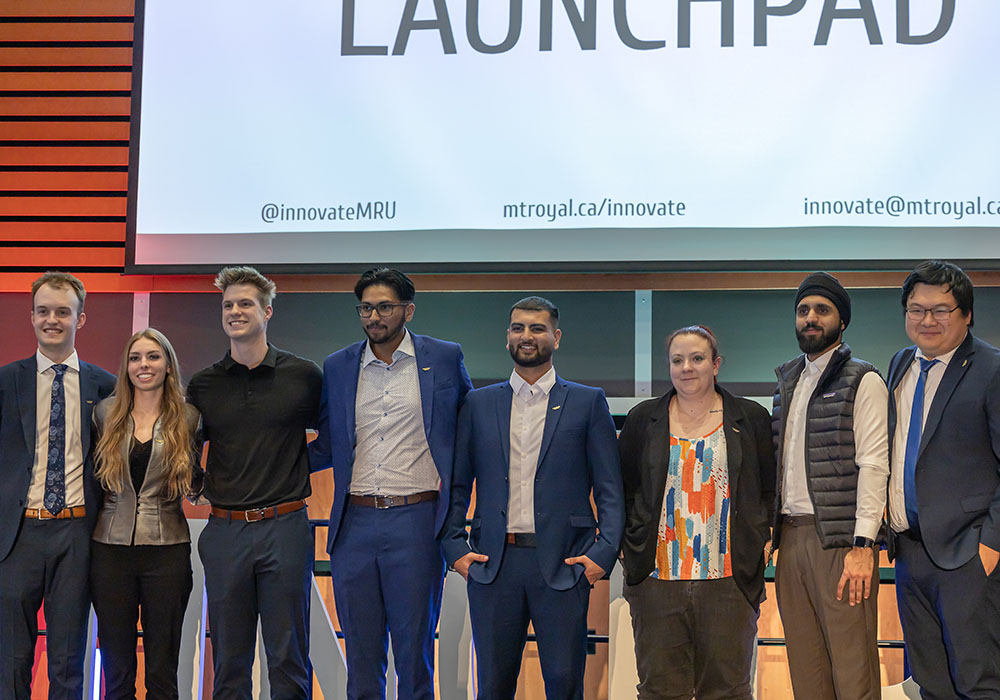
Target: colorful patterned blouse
[693, 536]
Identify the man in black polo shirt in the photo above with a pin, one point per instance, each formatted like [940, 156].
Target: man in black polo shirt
[256, 404]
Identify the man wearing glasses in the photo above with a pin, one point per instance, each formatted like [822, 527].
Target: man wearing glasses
[944, 488]
[387, 427]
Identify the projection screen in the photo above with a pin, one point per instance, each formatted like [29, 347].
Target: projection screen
[318, 134]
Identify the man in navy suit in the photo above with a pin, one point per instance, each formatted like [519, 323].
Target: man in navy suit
[50, 497]
[387, 427]
[944, 488]
[536, 447]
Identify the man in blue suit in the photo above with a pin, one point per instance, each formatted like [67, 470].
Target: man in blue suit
[50, 497]
[944, 488]
[387, 427]
[536, 446]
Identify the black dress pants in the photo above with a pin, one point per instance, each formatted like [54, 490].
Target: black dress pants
[148, 581]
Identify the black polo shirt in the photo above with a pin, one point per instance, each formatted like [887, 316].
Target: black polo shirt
[255, 422]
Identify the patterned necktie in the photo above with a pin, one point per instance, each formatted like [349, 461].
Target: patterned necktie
[913, 444]
[55, 473]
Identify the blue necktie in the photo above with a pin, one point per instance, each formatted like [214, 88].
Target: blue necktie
[55, 473]
[913, 444]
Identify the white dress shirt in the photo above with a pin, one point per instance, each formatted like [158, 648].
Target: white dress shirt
[391, 454]
[903, 396]
[74, 443]
[528, 407]
[871, 447]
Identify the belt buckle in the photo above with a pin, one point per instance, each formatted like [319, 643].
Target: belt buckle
[255, 515]
[383, 502]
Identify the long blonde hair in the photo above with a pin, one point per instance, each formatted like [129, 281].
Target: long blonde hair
[112, 465]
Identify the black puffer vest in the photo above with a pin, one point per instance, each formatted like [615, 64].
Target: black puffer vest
[831, 472]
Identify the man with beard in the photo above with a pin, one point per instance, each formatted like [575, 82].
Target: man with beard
[387, 427]
[536, 447]
[831, 436]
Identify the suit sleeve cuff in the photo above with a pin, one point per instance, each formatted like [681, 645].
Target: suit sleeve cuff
[454, 550]
[602, 555]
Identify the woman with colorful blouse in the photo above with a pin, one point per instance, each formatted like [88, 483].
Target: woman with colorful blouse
[699, 474]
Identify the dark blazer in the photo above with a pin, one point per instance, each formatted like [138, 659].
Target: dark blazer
[645, 445]
[958, 464]
[578, 454]
[17, 440]
[443, 384]
[149, 517]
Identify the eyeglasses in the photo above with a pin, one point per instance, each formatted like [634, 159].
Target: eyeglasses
[916, 313]
[384, 309]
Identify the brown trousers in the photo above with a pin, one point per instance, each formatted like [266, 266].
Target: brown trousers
[832, 647]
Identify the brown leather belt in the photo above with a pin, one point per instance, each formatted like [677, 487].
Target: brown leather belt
[521, 539]
[382, 502]
[798, 520]
[43, 514]
[255, 514]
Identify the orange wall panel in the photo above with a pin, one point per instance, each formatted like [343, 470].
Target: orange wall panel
[62, 206]
[66, 8]
[62, 56]
[13, 155]
[48, 231]
[65, 258]
[97, 80]
[74, 31]
[62, 131]
[44, 106]
[16, 180]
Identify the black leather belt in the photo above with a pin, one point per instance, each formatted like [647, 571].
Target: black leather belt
[798, 520]
[382, 502]
[521, 539]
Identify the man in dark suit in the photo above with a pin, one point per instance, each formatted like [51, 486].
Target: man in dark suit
[387, 427]
[536, 447]
[944, 489]
[50, 498]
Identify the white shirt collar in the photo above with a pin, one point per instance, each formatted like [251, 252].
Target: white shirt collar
[819, 365]
[405, 349]
[943, 359]
[544, 383]
[73, 361]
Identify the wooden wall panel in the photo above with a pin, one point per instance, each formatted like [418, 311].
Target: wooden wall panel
[65, 97]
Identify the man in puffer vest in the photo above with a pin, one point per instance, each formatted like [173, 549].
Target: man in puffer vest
[831, 437]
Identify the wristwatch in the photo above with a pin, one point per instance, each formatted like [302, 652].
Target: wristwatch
[864, 542]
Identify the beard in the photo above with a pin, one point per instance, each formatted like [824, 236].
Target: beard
[811, 345]
[379, 332]
[539, 358]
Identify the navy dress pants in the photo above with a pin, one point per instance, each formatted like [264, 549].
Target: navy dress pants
[951, 624]
[388, 575]
[501, 611]
[50, 561]
[262, 570]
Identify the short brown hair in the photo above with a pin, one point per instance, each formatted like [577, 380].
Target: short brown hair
[244, 274]
[60, 280]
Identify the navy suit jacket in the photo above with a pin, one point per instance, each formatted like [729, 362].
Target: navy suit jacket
[958, 464]
[18, 423]
[579, 453]
[443, 384]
